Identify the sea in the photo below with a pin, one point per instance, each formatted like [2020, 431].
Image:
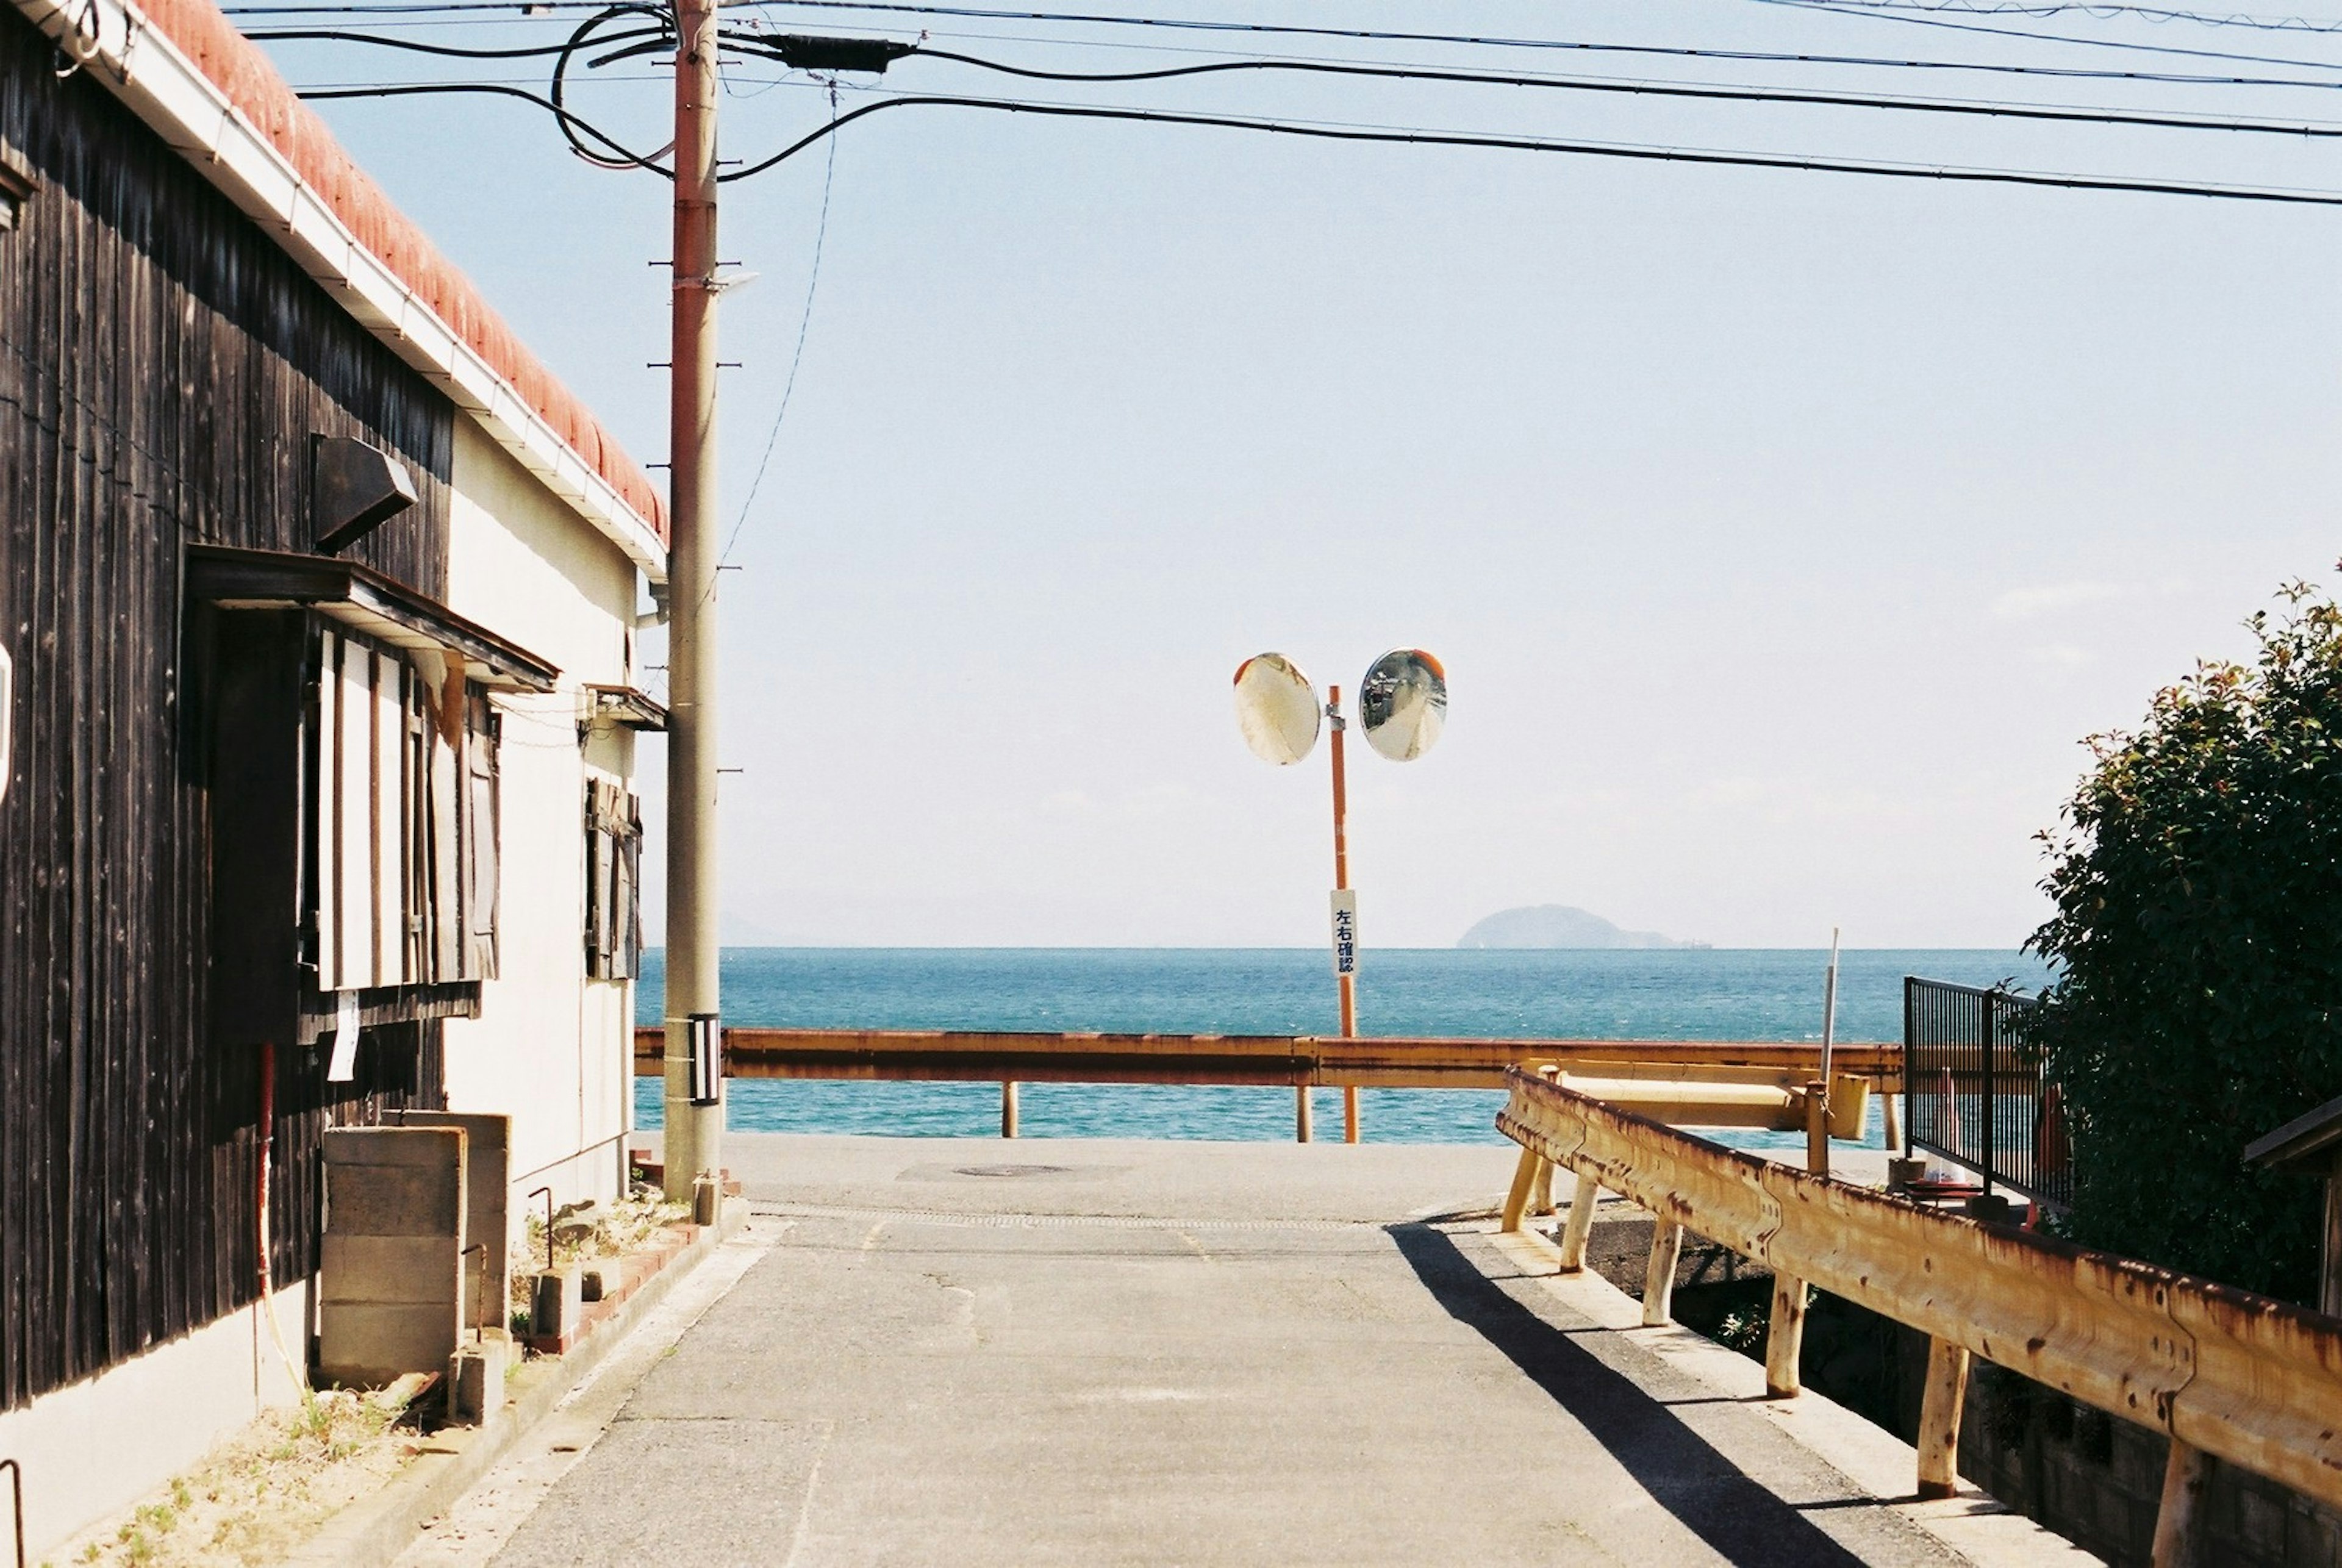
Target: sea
[1689, 993]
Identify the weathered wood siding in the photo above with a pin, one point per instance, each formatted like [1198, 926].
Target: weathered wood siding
[162, 368]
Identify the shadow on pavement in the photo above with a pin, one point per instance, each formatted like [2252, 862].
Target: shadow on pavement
[1739, 1518]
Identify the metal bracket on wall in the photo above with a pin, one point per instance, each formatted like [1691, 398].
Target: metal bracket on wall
[17, 1484]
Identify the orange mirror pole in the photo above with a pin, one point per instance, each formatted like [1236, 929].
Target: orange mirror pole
[1347, 980]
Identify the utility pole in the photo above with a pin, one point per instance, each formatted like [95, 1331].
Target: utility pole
[694, 1110]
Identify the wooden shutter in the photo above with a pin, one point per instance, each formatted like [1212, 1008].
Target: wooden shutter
[614, 933]
[481, 807]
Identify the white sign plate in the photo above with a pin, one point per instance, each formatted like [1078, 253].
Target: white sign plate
[1346, 931]
[344, 1064]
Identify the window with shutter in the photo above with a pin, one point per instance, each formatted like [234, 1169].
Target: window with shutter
[399, 884]
[613, 927]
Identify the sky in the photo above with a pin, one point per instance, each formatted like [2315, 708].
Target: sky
[1783, 533]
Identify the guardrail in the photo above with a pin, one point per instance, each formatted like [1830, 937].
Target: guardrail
[2225, 1374]
[1269, 1061]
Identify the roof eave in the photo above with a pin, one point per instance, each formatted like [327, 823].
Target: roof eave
[142, 65]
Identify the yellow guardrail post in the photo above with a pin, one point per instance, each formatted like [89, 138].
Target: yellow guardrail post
[1784, 1337]
[1940, 1403]
[1525, 1176]
[2185, 1475]
[1659, 1277]
[1580, 1227]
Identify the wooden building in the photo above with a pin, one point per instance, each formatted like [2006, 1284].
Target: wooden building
[292, 533]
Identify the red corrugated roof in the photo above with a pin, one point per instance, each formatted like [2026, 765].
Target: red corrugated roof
[240, 70]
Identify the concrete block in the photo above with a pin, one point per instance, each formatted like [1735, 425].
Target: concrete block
[388, 1270]
[554, 1305]
[394, 1201]
[366, 1345]
[602, 1280]
[487, 1204]
[383, 1146]
[475, 1379]
[390, 1290]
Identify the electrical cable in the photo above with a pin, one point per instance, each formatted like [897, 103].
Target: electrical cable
[1838, 8]
[2096, 10]
[1632, 151]
[804, 327]
[779, 49]
[1635, 89]
[623, 158]
[467, 10]
[598, 147]
[620, 156]
[386, 41]
[917, 8]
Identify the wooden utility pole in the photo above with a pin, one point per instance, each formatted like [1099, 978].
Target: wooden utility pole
[694, 1110]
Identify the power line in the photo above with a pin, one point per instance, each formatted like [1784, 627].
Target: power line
[1856, 8]
[453, 51]
[470, 10]
[804, 327]
[2097, 9]
[1416, 137]
[920, 8]
[791, 50]
[572, 124]
[1650, 89]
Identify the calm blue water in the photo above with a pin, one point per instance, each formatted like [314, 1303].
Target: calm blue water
[1702, 994]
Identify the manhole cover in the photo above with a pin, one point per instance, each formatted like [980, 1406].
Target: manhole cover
[1012, 1169]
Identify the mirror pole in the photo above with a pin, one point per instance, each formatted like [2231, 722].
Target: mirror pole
[1349, 983]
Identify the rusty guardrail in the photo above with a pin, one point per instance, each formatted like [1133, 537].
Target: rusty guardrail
[2238, 1377]
[1267, 1061]
[1275, 1060]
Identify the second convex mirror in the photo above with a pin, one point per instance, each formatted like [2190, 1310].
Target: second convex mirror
[1403, 703]
[1279, 709]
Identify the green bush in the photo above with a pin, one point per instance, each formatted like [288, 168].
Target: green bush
[2198, 945]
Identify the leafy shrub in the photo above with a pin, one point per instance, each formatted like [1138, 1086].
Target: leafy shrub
[2196, 879]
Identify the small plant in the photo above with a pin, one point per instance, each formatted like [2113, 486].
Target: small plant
[1743, 1332]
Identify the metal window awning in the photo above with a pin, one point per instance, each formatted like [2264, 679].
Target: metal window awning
[628, 707]
[365, 601]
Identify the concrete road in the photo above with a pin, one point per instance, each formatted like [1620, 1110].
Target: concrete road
[978, 1353]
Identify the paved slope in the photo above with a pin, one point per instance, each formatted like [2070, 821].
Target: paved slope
[946, 1358]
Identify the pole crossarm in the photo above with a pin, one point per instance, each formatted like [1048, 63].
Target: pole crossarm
[2251, 1381]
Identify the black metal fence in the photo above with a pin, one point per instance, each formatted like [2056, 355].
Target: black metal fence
[1974, 1091]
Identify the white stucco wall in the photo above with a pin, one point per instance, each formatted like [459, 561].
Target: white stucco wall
[550, 1048]
[95, 1447]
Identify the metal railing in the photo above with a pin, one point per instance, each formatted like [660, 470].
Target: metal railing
[1975, 1093]
[1301, 1061]
[1263, 1060]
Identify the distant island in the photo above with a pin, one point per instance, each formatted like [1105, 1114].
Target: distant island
[1558, 925]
